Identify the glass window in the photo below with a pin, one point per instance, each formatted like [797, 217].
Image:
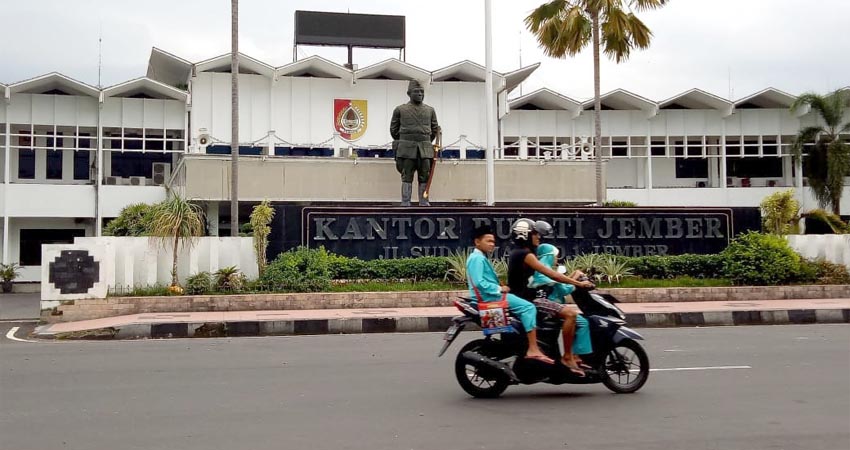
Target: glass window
[54, 164]
[136, 164]
[26, 164]
[81, 164]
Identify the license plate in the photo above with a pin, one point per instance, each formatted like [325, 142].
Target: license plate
[451, 333]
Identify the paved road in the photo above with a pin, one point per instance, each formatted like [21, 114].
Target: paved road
[20, 306]
[390, 392]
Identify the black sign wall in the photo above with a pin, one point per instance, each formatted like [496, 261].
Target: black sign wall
[394, 232]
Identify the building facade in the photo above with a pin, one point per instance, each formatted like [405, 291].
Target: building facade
[75, 155]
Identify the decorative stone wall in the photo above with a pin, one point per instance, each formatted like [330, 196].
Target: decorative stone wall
[116, 306]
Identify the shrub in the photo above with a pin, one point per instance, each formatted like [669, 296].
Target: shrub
[822, 272]
[133, 220]
[199, 284]
[619, 204]
[661, 267]
[261, 217]
[760, 259]
[299, 270]
[229, 279]
[780, 212]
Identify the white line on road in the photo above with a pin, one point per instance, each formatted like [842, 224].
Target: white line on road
[677, 369]
[11, 335]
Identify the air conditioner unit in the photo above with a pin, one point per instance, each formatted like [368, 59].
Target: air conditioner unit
[113, 181]
[137, 181]
[161, 173]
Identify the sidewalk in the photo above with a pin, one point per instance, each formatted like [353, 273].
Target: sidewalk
[390, 320]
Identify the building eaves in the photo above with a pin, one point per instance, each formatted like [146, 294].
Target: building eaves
[147, 87]
[314, 66]
[54, 81]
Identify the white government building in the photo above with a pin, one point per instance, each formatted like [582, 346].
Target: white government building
[75, 155]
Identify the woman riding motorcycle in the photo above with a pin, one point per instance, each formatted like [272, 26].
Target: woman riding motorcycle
[522, 265]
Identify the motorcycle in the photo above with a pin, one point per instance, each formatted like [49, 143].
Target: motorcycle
[485, 367]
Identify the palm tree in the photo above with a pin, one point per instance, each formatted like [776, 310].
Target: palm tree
[234, 118]
[565, 27]
[176, 220]
[828, 160]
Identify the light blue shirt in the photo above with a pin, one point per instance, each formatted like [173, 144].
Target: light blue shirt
[480, 273]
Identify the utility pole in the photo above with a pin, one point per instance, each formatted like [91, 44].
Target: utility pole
[234, 118]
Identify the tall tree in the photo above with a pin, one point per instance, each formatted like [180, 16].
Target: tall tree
[234, 118]
[827, 159]
[565, 27]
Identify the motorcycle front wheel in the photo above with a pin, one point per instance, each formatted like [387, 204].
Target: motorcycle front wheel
[478, 382]
[625, 368]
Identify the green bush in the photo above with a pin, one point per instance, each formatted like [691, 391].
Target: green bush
[422, 268]
[299, 270]
[661, 267]
[619, 204]
[199, 284]
[133, 220]
[780, 212]
[229, 279]
[760, 259]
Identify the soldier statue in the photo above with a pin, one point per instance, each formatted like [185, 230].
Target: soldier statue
[413, 128]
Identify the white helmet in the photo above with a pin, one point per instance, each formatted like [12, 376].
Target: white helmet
[522, 229]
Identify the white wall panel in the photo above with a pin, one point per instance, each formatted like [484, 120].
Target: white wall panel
[175, 114]
[132, 110]
[112, 112]
[154, 113]
[42, 109]
[87, 111]
[65, 107]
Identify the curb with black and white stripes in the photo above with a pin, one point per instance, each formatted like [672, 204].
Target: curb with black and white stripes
[429, 324]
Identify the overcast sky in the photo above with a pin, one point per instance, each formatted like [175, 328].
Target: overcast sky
[721, 46]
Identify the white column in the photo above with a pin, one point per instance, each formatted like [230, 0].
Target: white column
[723, 155]
[337, 142]
[462, 146]
[488, 95]
[648, 156]
[523, 147]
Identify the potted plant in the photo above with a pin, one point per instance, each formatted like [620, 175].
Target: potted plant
[8, 273]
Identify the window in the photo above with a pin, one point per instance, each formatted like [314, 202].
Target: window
[691, 167]
[754, 167]
[659, 148]
[31, 241]
[619, 148]
[81, 164]
[136, 164]
[54, 164]
[26, 164]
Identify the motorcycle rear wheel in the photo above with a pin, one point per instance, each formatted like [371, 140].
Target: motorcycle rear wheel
[625, 368]
[477, 381]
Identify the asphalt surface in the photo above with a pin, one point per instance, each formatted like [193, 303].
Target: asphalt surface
[20, 306]
[389, 391]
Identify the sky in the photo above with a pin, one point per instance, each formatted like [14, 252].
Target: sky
[731, 48]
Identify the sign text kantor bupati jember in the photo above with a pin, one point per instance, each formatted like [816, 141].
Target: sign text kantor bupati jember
[370, 233]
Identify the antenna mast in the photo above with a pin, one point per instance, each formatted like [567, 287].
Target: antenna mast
[99, 55]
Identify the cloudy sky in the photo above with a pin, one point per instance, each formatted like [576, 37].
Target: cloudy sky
[726, 47]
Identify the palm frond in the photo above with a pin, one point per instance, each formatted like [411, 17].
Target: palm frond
[176, 217]
[805, 136]
[544, 13]
[826, 106]
[560, 32]
[646, 5]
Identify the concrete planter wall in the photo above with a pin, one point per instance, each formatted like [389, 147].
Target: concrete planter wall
[115, 306]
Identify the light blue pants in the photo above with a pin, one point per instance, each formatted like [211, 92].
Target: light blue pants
[581, 344]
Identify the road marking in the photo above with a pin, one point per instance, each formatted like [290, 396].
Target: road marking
[678, 369]
[11, 335]
[19, 321]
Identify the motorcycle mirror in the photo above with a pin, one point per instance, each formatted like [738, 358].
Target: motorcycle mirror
[562, 269]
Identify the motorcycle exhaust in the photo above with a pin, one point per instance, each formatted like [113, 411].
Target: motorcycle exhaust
[476, 359]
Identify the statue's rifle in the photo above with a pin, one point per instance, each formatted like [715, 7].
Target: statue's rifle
[438, 144]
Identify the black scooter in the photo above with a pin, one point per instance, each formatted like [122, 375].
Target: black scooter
[486, 367]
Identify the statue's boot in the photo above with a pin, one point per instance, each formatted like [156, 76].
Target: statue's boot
[406, 192]
[422, 200]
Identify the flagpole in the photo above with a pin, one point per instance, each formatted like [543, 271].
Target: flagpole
[488, 95]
